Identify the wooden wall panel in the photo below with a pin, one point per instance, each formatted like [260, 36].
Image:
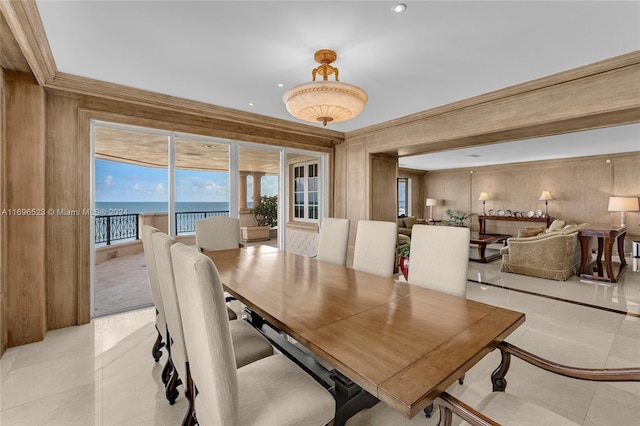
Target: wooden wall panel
[384, 170]
[24, 186]
[580, 187]
[3, 292]
[62, 196]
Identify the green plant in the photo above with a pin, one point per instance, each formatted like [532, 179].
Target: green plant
[458, 217]
[266, 213]
[404, 248]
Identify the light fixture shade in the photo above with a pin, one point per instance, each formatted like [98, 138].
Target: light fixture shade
[623, 204]
[325, 101]
[431, 202]
[483, 196]
[546, 195]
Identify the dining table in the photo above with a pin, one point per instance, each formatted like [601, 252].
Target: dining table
[383, 340]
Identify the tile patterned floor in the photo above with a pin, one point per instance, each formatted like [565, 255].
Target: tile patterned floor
[102, 373]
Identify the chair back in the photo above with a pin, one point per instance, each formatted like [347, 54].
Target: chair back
[162, 248]
[207, 336]
[217, 233]
[156, 296]
[375, 249]
[439, 258]
[334, 236]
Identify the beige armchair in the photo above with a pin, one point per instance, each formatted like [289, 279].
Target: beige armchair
[406, 223]
[552, 254]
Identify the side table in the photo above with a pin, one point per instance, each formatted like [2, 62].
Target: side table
[607, 235]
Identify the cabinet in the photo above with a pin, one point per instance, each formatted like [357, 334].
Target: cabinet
[483, 218]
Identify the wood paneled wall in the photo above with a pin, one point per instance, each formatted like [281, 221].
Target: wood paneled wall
[580, 187]
[24, 192]
[3, 290]
[384, 170]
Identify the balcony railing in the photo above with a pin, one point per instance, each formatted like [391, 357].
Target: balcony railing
[126, 226]
[186, 221]
[117, 227]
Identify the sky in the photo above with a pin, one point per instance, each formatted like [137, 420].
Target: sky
[125, 182]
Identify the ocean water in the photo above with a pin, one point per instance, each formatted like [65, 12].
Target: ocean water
[131, 207]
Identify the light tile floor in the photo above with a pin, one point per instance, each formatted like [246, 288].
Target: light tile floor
[102, 373]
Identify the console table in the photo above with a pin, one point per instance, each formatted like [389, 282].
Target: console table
[483, 218]
[606, 234]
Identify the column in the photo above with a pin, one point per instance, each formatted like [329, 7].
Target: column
[242, 192]
[257, 187]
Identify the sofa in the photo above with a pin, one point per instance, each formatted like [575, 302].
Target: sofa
[552, 253]
[406, 223]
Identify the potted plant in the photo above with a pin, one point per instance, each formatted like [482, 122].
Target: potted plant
[403, 251]
[266, 216]
[457, 218]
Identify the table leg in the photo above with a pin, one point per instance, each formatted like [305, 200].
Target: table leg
[623, 261]
[599, 258]
[481, 250]
[608, 254]
[350, 398]
[584, 254]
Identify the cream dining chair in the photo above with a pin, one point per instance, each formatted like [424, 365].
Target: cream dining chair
[270, 391]
[161, 323]
[249, 345]
[218, 233]
[439, 258]
[334, 236]
[375, 249]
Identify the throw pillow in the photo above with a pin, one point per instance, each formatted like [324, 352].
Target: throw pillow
[410, 221]
[555, 225]
[530, 231]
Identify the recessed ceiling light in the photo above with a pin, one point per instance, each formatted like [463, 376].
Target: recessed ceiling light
[250, 103]
[280, 84]
[399, 8]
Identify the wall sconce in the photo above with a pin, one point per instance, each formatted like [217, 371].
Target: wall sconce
[622, 205]
[483, 197]
[545, 196]
[430, 203]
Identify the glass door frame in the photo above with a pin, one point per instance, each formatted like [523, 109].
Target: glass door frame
[234, 145]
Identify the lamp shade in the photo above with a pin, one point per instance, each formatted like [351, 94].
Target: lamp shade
[623, 204]
[431, 202]
[546, 195]
[325, 101]
[483, 196]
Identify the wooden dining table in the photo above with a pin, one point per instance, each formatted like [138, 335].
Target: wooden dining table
[401, 343]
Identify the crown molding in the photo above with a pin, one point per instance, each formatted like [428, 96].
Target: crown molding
[23, 19]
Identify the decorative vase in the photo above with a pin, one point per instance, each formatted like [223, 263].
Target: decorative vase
[404, 267]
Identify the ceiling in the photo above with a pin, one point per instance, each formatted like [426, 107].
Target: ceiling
[235, 53]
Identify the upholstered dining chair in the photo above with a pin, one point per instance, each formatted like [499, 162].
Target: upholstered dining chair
[375, 249]
[334, 236]
[439, 258]
[249, 345]
[218, 233]
[270, 391]
[156, 297]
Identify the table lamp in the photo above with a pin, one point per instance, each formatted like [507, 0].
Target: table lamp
[545, 196]
[430, 203]
[483, 197]
[622, 205]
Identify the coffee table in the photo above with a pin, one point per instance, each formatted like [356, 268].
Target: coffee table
[483, 254]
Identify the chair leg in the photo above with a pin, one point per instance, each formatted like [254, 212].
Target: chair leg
[166, 372]
[156, 353]
[190, 392]
[461, 380]
[428, 410]
[171, 390]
